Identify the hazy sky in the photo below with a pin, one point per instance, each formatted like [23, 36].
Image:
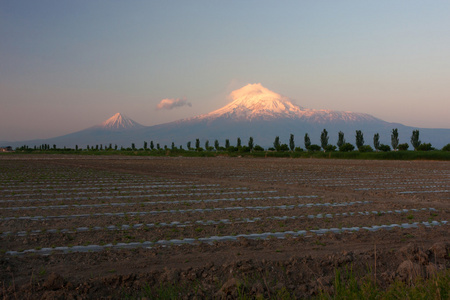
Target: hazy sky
[69, 65]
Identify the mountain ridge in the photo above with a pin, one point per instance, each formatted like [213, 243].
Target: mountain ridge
[254, 111]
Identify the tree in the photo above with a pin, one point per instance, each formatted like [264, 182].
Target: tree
[216, 145]
[207, 145]
[307, 141]
[76, 147]
[346, 147]
[197, 144]
[394, 139]
[115, 147]
[152, 146]
[158, 146]
[415, 142]
[238, 142]
[250, 144]
[133, 146]
[276, 143]
[403, 147]
[189, 145]
[324, 139]
[145, 145]
[341, 139]
[359, 139]
[384, 148]
[291, 142]
[425, 147]
[173, 146]
[227, 143]
[376, 141]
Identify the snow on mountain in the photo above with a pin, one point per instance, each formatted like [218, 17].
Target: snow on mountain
[255, 102]
[119, 122]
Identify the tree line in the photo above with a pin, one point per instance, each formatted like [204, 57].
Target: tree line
[342, 145]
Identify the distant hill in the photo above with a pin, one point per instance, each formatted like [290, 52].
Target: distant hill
[254, 112]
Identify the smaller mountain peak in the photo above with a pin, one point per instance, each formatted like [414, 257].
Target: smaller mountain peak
[120, 122]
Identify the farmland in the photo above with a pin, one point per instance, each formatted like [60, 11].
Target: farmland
[216, 226]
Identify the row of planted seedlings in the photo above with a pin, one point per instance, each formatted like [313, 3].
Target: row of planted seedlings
[172, 216]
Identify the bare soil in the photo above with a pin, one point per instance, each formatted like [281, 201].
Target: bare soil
[59, 202]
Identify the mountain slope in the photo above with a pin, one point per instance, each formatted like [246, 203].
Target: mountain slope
[254, 112]
[119, 122]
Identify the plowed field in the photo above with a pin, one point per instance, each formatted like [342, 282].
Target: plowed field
[99, 226]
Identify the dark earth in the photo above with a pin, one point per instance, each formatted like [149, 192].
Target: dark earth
[135, 209]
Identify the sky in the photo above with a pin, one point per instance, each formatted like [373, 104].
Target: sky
[69, 65]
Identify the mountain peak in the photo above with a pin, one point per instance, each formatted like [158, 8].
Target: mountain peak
[255, 101]
[120, 122]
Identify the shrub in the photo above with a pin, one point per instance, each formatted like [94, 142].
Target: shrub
[446, 148]
[425, 147]
[284, 147]
[258, 148]
[365, 148]
[403, 147]
[330, 148]
[346, 147]
[314, 147]
[298, 149]
[384, 148]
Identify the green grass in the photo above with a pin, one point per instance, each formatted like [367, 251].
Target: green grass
[390, 155]
[345, 286]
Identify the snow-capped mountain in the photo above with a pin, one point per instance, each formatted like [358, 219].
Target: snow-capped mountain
[119, 122]
[255, 102]
[255, 112]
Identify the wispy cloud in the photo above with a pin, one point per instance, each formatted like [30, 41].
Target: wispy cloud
[172, 103]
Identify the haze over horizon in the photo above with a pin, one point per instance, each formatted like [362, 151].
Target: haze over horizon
[66, 66]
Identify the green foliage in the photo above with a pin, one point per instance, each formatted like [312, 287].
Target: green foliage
[446, 148]
[314, 147]
[283, 147]
[394, 139]
[384, 148]
[403, 147]
[227, 143]
[365, 148]
[359, 139]
[197, 144]
[376, 141]
[341, 139]
[324, 139]
[258, 148]
[298, 149]
[425, 147]
[307, 141]
[276, 143]
[330, 148]
[250, 143]
[291, 142]
[415, 142]
[346, 147]
[216, 145]
[238, 144]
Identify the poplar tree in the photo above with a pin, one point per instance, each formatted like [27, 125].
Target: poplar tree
[250, 144]
[341, 139]
[291, 142]
[276, 143]
[359, 139]
[324, 139]
[307, 141]
[415, 142]
[376, 141]
[394, 139]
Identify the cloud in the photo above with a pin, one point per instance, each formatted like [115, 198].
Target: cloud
[172, 103]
